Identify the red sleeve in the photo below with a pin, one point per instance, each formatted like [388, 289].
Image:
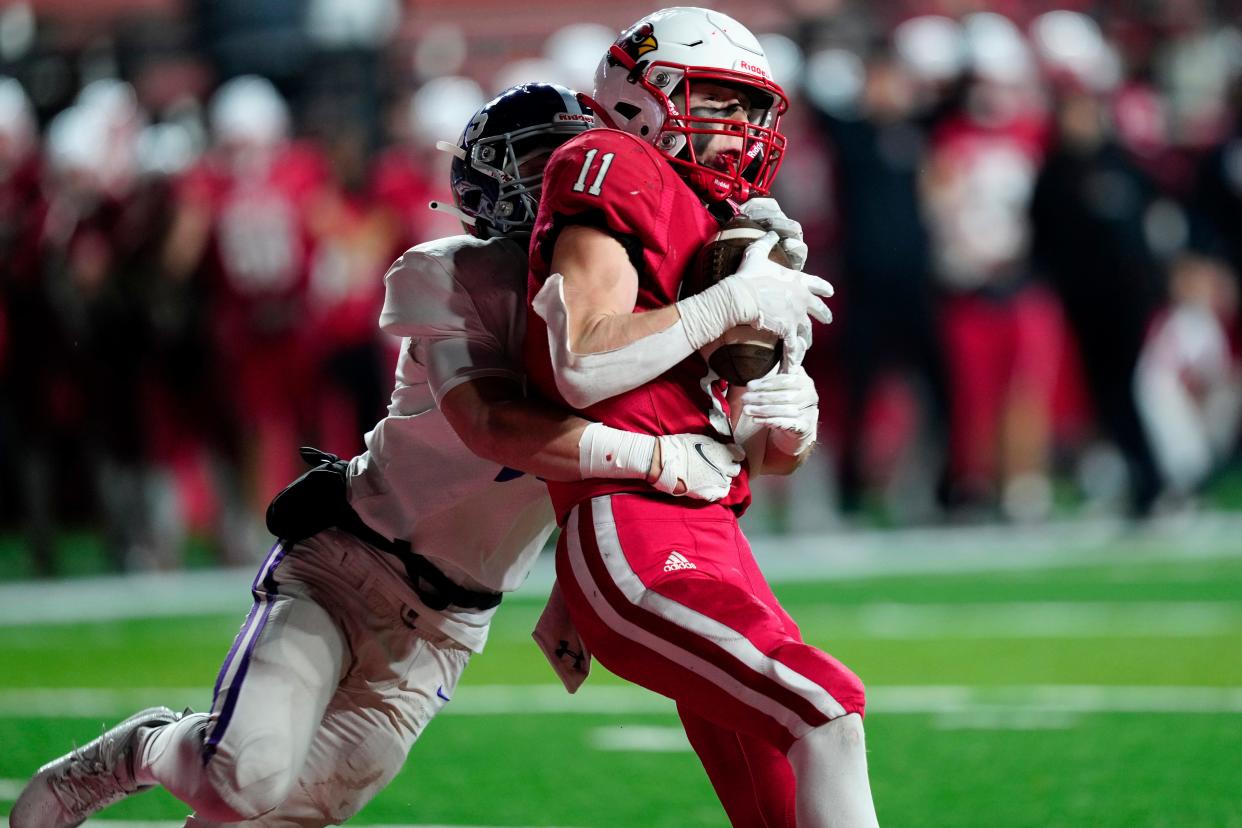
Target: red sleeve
[608, 179]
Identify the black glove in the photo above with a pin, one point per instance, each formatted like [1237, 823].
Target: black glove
[315, 501]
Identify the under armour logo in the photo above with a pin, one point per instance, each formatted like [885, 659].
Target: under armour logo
[564, 650]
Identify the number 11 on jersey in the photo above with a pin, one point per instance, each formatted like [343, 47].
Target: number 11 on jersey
[604, 163]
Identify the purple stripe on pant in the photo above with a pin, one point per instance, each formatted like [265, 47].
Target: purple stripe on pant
[237, 663]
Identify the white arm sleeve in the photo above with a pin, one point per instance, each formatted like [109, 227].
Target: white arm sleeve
[462, 302]
[585, 379]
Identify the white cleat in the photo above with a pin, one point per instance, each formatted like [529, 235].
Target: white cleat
[68, 790]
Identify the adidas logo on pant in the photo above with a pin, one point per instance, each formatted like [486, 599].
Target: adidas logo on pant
[677, 561]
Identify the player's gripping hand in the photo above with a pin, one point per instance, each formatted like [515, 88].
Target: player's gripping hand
[770, 216]
[784, 300]
[696, 466]
[788, 405]
[762, 294]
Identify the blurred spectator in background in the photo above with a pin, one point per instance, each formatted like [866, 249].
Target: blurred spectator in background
[1216, 201]
[1002, 331]
[1089, 218]
[100, 249]
[1187, 382]
[32, 383]
[407, 173]
[242, 227]
[983, 180]
[887, 314]
[350, 243]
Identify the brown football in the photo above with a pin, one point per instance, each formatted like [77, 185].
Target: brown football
[743, 353]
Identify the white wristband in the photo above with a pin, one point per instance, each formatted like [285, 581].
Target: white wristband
[609, 452]
[707, 315]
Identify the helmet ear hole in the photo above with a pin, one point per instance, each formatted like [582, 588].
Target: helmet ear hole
[626, 110]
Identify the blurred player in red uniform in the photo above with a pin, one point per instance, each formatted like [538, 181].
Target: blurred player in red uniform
[666, 593]
[27, 323]
[243, 215]
[1002, 330]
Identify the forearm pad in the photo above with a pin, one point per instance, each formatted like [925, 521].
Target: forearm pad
[585, 379]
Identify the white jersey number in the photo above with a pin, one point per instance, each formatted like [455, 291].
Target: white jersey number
[604, 163]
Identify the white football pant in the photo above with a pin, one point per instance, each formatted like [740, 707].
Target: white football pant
[329, 683]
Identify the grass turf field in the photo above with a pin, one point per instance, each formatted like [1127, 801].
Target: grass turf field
[1101, 692]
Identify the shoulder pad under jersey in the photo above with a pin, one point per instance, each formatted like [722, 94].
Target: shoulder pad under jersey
[605, 177]
[427, 292]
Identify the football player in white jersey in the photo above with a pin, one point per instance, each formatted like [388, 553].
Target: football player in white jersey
[391, 565]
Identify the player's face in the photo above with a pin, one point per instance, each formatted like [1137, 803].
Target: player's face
[714, 100]
[534, 155]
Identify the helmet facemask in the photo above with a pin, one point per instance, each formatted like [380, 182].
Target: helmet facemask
[515, 161]
[684, 135]
[688, 132]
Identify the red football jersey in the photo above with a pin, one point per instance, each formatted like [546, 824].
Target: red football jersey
[258, 260]
[615, 181]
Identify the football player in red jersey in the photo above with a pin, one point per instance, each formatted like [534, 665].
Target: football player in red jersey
[355, 640]
[665, 592]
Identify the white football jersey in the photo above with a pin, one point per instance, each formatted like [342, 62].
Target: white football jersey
[460, 304]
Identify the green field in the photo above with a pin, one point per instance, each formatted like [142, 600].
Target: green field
[1102, 694]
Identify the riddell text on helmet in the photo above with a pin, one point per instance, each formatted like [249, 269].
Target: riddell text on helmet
[746, 66]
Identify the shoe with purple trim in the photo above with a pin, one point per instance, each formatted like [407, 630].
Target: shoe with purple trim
[68, 790]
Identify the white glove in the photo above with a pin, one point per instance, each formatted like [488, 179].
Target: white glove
[769, 215]
[699, 466]
[558, 638]
[761, 294]
[792, 357]
[788, 405]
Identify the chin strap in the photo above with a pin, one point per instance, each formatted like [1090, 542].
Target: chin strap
[452, 149]
[711, 186]
[441, 207]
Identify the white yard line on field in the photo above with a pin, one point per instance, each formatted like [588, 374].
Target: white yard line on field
[1027, 619]
[1008, 619]
[828, 555]
[994, 548]
[612, 699]
[635, 738]
[10, 788]
[639, 739]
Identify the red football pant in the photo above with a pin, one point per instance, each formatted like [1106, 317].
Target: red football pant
[752, 778]
[670, 597]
